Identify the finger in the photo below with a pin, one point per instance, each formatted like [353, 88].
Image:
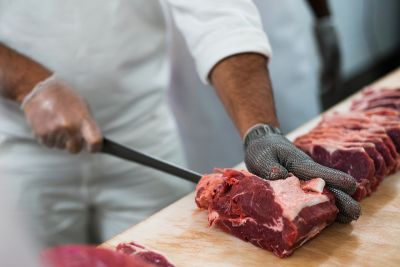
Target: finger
[309, 169]
[275, 172]
[347, 206]
[92, 136]
[267, 171]
[340, 218]
[49, 140]
[61, 140]
[74, 145]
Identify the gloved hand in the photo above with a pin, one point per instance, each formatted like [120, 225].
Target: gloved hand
[61, 118]
[328, 48]
[271, 156]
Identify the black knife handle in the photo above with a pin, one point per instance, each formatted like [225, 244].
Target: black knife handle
[120, 151]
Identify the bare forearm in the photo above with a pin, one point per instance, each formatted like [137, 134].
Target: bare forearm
[18, 74]
[243, 85]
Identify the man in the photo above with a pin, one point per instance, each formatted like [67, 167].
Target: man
[295, 31]
[57, 55]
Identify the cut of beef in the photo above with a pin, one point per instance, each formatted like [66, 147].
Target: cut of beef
[367, 121]
[386, 112]
[380, 139]
[88, 256]
[276, 215]
[377, 145]
[385, 162]
[353, 160]
[372, 98]
[146, 254]
[364, 142]
[375, 103]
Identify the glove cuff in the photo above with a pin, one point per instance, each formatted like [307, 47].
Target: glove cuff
[38, 87]
[258, 131]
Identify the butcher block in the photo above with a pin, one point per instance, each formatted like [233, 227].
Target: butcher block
[180, 231]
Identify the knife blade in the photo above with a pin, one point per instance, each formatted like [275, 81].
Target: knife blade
[112, 148]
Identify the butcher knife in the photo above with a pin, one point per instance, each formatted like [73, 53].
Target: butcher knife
[123, 152]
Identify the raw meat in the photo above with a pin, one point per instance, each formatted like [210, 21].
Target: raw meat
[372, 98]
[353, 160]
[364, 142]
[87, 256]
[146, 254]
[276, 215]
[381, 141]
[365, 154]
[366, 121]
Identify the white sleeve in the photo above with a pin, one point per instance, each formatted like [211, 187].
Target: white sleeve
[216, 29]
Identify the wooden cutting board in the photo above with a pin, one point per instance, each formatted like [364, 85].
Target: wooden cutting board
[180, 231]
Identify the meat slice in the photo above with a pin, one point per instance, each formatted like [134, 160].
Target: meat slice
[379, 148]
[88, 256]
[144, 253]
[352, 160]
[381, 141]
[372, 98]
[375, 103]
[388, 112]
[372, 93]
[367, 121]
[278, 216]
[391, 126]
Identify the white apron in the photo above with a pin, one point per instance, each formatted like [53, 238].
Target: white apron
[113, 53]
[105, 50]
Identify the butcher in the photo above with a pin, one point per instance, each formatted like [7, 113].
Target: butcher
[72, 72]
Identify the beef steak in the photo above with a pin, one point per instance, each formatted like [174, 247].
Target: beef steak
[88, 256]
[144, 253]
[276, 215]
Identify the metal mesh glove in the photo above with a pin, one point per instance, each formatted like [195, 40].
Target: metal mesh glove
[61, 118]
[270, 155]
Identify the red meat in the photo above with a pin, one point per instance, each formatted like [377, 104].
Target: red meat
[278, 216]
[87, 256]
[146, 254]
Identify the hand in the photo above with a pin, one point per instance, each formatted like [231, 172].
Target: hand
[61, 118]
[271, 156]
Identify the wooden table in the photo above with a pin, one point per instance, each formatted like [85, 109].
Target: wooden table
[180, 231]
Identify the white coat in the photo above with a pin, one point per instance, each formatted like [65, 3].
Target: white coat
[115, 54]
[214, 142]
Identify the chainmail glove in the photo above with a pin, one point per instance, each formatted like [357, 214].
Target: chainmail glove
[268, 154]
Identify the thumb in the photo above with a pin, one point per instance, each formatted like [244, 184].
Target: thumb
[92, 136]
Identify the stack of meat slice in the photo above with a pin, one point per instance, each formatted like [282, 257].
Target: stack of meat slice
[364, 142]
[373, 98]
